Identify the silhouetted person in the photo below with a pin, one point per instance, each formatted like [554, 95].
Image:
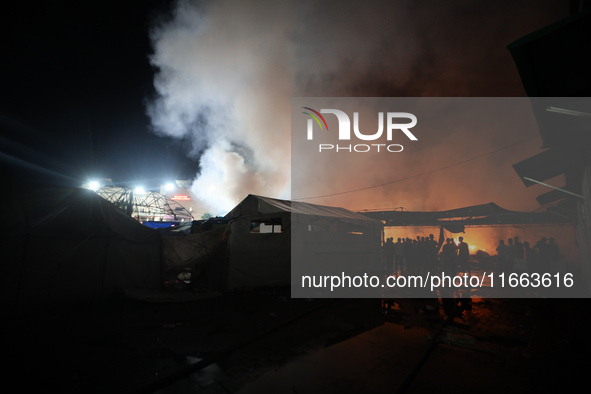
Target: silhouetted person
[543, 254]
[518, 248]
[510, 254]
[464, 256]
[407, 247]
[388, 250]
[398, 256]
[411, 262]
[530, 256]
[448, 254]
[502, 254]
[448, 257]
[431, 252]
[464, 262]
[454, 248]
[422, 255]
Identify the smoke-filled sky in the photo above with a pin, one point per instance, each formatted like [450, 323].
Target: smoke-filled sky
[226, 71]
[201, 89]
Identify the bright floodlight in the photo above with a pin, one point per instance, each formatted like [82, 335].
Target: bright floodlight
[169, 186]
[93, 185]
[139, 190]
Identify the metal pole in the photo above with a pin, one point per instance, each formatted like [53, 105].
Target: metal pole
[553, 187]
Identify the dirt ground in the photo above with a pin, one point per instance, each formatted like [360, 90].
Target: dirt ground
[264, 341]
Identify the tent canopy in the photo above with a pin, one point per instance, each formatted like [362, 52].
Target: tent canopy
[62, 212]
[69, 245]
[477, 215]
[256, 205]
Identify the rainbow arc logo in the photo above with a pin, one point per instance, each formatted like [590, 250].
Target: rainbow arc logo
[316, 117]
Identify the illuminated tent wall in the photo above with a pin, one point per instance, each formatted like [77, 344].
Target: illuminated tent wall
[266, 231]
[68, 245]
[254, 247]
[259, 244]
[241, 252]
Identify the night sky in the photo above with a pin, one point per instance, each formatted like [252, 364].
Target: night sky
[75, 79]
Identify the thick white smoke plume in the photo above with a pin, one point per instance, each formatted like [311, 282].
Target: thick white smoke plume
[227, 70]
[224, 82]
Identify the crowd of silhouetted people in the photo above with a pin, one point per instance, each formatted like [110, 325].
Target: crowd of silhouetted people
[411, 256]
[543, 256]
[424, 254]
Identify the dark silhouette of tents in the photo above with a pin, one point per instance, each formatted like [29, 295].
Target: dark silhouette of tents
[68, 245]
[256, 242]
